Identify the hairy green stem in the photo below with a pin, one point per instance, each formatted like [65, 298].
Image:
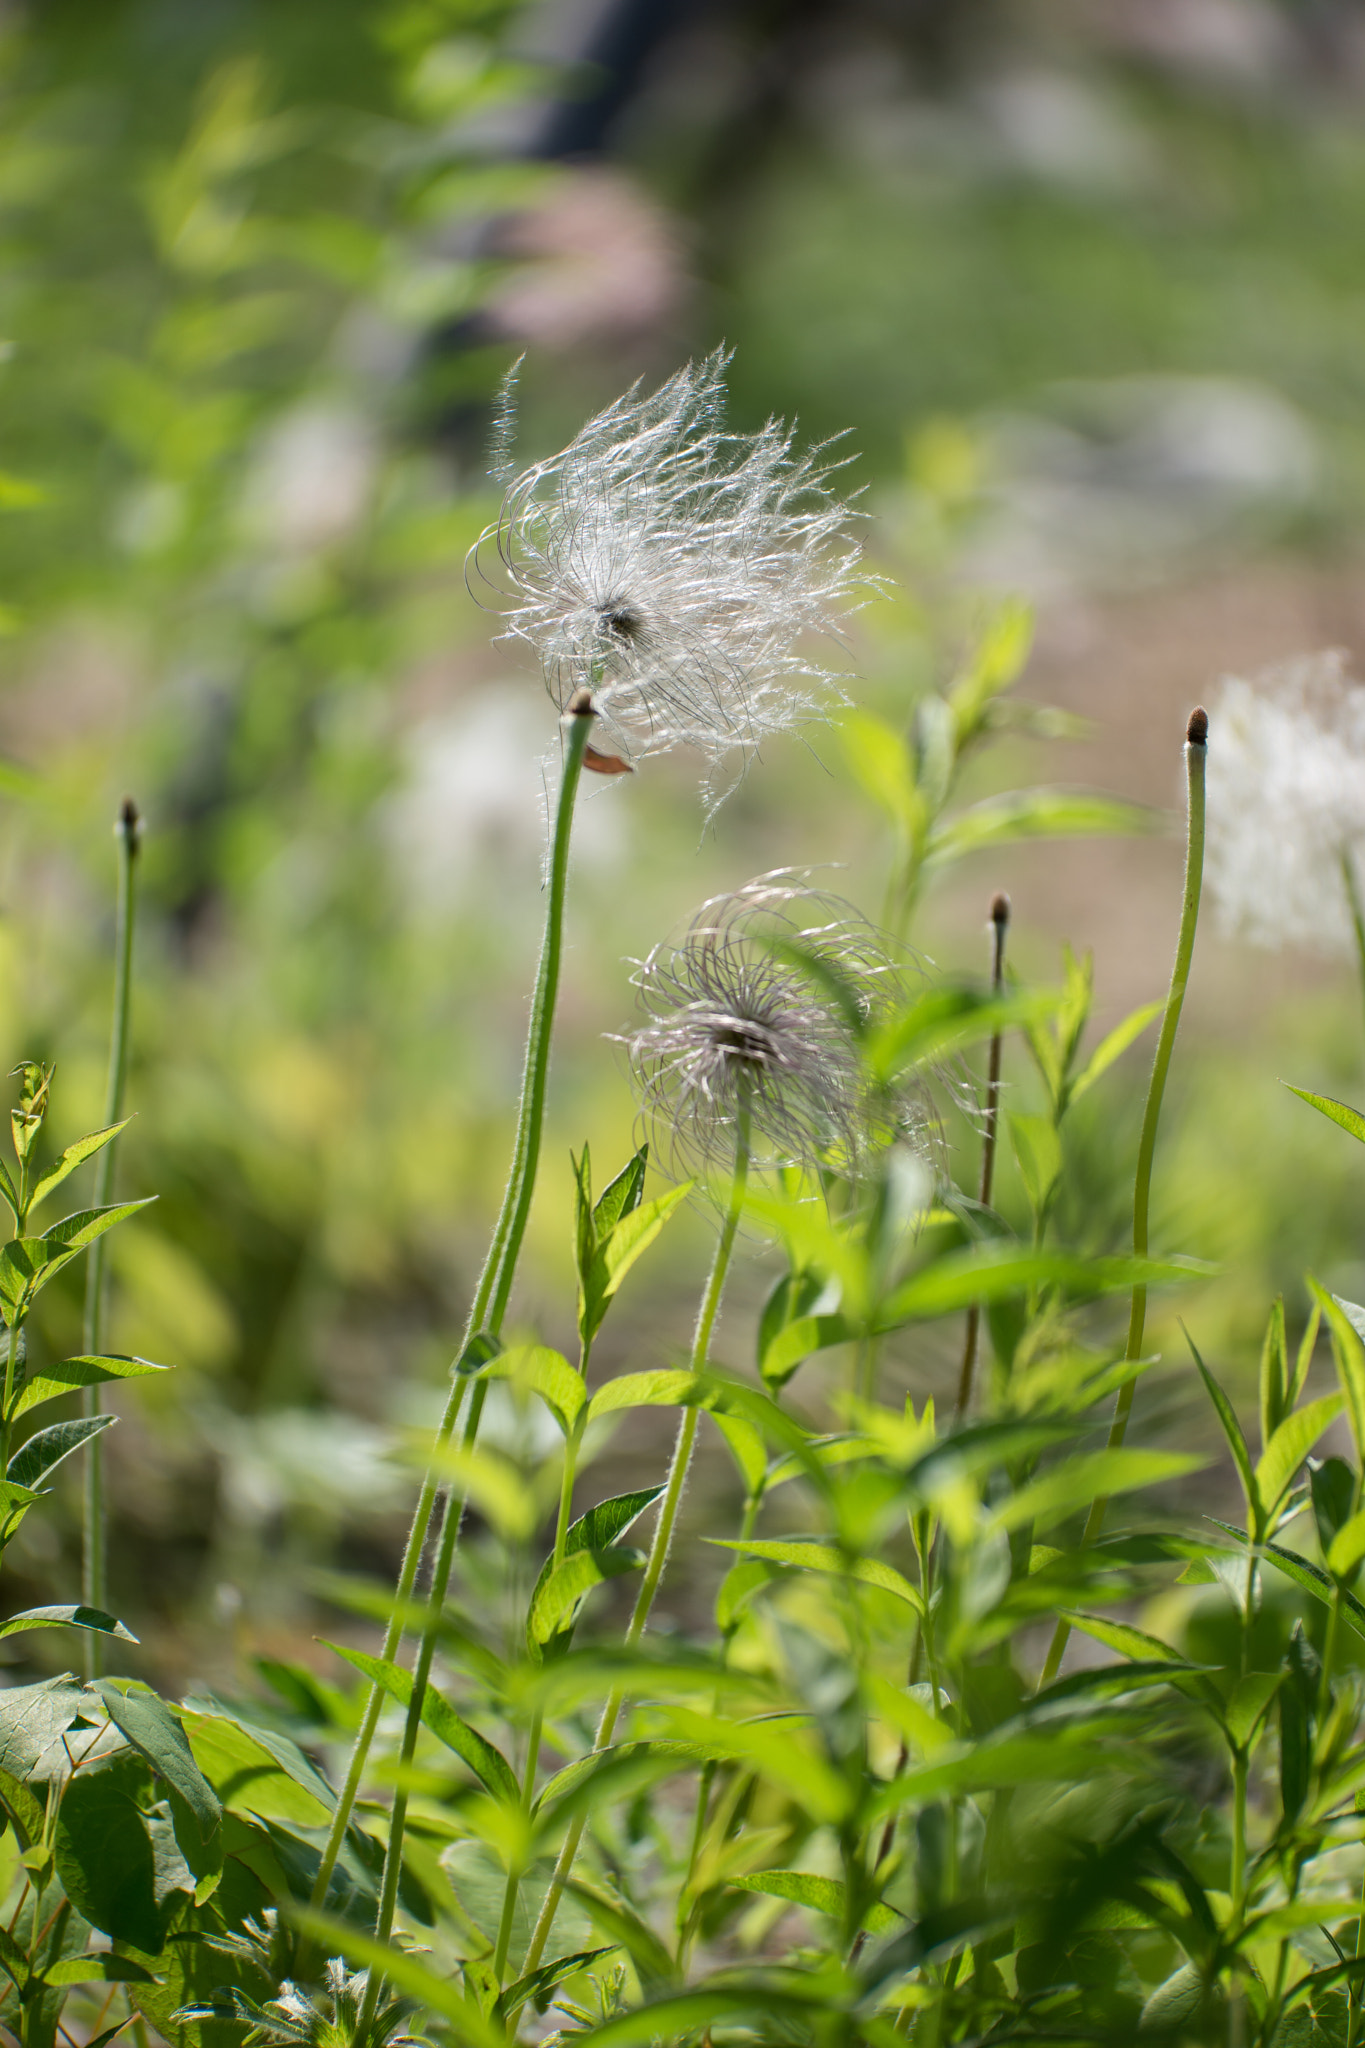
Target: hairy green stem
[94, 1554]
[1000, 924]
[495, 1281]
[1356, 907]
[1196, 754]
[663, 1527]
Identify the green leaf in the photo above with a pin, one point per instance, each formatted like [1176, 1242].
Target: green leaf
[880, 760]
[27, 1813]
[536, 1989]
[1313, 1579]
[544, 1372]
[560, 1592]
[736, 1590]
[1063, 1489]
[55, 1380]
[76, 1231]
[93, 1618]
[13, 1961]
[257, 1771]
[666, 1388]
[148, 1723]
[1290, 1445]
[1339, 1113]
[1274, 1381]
[104, 1854]
[15, 1502]
[488, 1764]
[100, 1969]
[45, 1450]
[33, 1719]
[627, 1242]
[1127, 1640]
[985, 1272]
[767, 1747]
[1114, 1046]
[824, 1557]
[1232, 1430]
[746, 1447]
[491, 1481]
[793, 1345]
[821, 1894]
[1349, 1354]
[74, 1156]
[1036, 814]
[407, 1975]
[1347, 1547]
[1038, 1151]
[627, 1930]
[621, 1195]
[27, 1119]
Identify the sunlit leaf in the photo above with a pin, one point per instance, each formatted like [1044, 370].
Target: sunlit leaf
[666, 1388]
[74, 1156]
[820, 1894]
[46, 1449]
[1290, 1445]
[547, 1373]
[1339, 1113]
[148, 1723]
[1064, 1489]
[93, 1618]
[488, 1764]
[1113, 1046]
[824, 1557]
[55, 1380]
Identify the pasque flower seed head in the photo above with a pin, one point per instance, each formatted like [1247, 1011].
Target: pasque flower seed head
[757, 1008]
[677, 569]
[1286, 802]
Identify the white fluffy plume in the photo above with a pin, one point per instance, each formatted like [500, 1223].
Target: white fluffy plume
[1286, 798]
[678, 570]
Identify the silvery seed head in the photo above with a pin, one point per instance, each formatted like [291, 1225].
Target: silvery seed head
[678, 570]
[755, 1011]
[1286, 803]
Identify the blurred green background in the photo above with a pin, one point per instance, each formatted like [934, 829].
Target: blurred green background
[1083, 285]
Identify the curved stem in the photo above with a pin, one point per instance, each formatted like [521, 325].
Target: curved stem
[1196, 753]
[94, 1560]
[1356, 907]
[663, 1527]
[495, 1281]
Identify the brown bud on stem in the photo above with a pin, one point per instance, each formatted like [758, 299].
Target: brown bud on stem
[580, 704]
[1197, 732]
[128, 825]
[1000, 908]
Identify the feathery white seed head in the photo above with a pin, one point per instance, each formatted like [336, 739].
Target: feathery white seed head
[758, 1006]
[678, 570]
[1286, 802]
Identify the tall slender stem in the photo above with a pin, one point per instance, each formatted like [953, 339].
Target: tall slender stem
[1356, 907]
[1000, 924]
[495, 1281]
[663, 1527]
[94, 1558]
[1196, 753]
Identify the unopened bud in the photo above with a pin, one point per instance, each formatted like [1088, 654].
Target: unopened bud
[129, 824]
[1000, 908]
[1197, 732]
[580, 704]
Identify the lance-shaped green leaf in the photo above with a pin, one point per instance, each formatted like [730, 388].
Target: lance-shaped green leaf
[590, 1556]
[825, 1557]
[535, 1989]
[1347, 1546]
[488, 1764]
[794, 1344]
[468, 2025]
[46, 1449]
[1036, 814]
[28, 1263]
[154, 1731]
[820, 1894]
[1064, 1489]
[666, 1388]
[986, 1272]
[1274, 1378]
[1313, 1579]
[1038, 1154]
[97, 1969]
[1349, 1354]
[1113, 1046]
[616, 1253]
[13, 1961]
[769, 1748]
[1232, 1430]
[55, 1380]
[1290, 1445]
[1339, 1113]
[613, 1917]
[93, 1618]
[74, 1156]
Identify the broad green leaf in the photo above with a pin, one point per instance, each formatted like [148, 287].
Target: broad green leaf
[880, 760]
[256, 1771]
[1248, 1701]
[1349, 1354]
[1290, 1445]
[821, 1894]
[33, 1719]
[28, 1263]
[100, 1969]
[945, 1021]
[148, 1723]
[560, 1593]
[766, 1746]
[15, 1502]
[13, 1961]
[1113, 1046]
[1347, 1547]
[488, 1764]
[666, 1388]
[613, 1917]
[74, 1156]
[1036, 814]
[104, 1854]
[795, 1343]
[45, 1450]
[93, 1618]
[544, 1372]
[27, 1813]
[824, 1557]
[1232, 1430]
[746, 1448]
[537, 1987]
[1339, 1113]
[55, 1380]
[908, 1715]
[1038, 1152]
[1063, 1489]
[628, 1240]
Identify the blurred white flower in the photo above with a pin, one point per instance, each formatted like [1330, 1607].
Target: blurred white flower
[677, 570]
[1286, 803]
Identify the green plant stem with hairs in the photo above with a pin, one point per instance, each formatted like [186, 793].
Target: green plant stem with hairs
[1356, 906]
[1000, 924]
[94, 1557]
[663, 1527]
[1196, 755]
[495, 1283]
